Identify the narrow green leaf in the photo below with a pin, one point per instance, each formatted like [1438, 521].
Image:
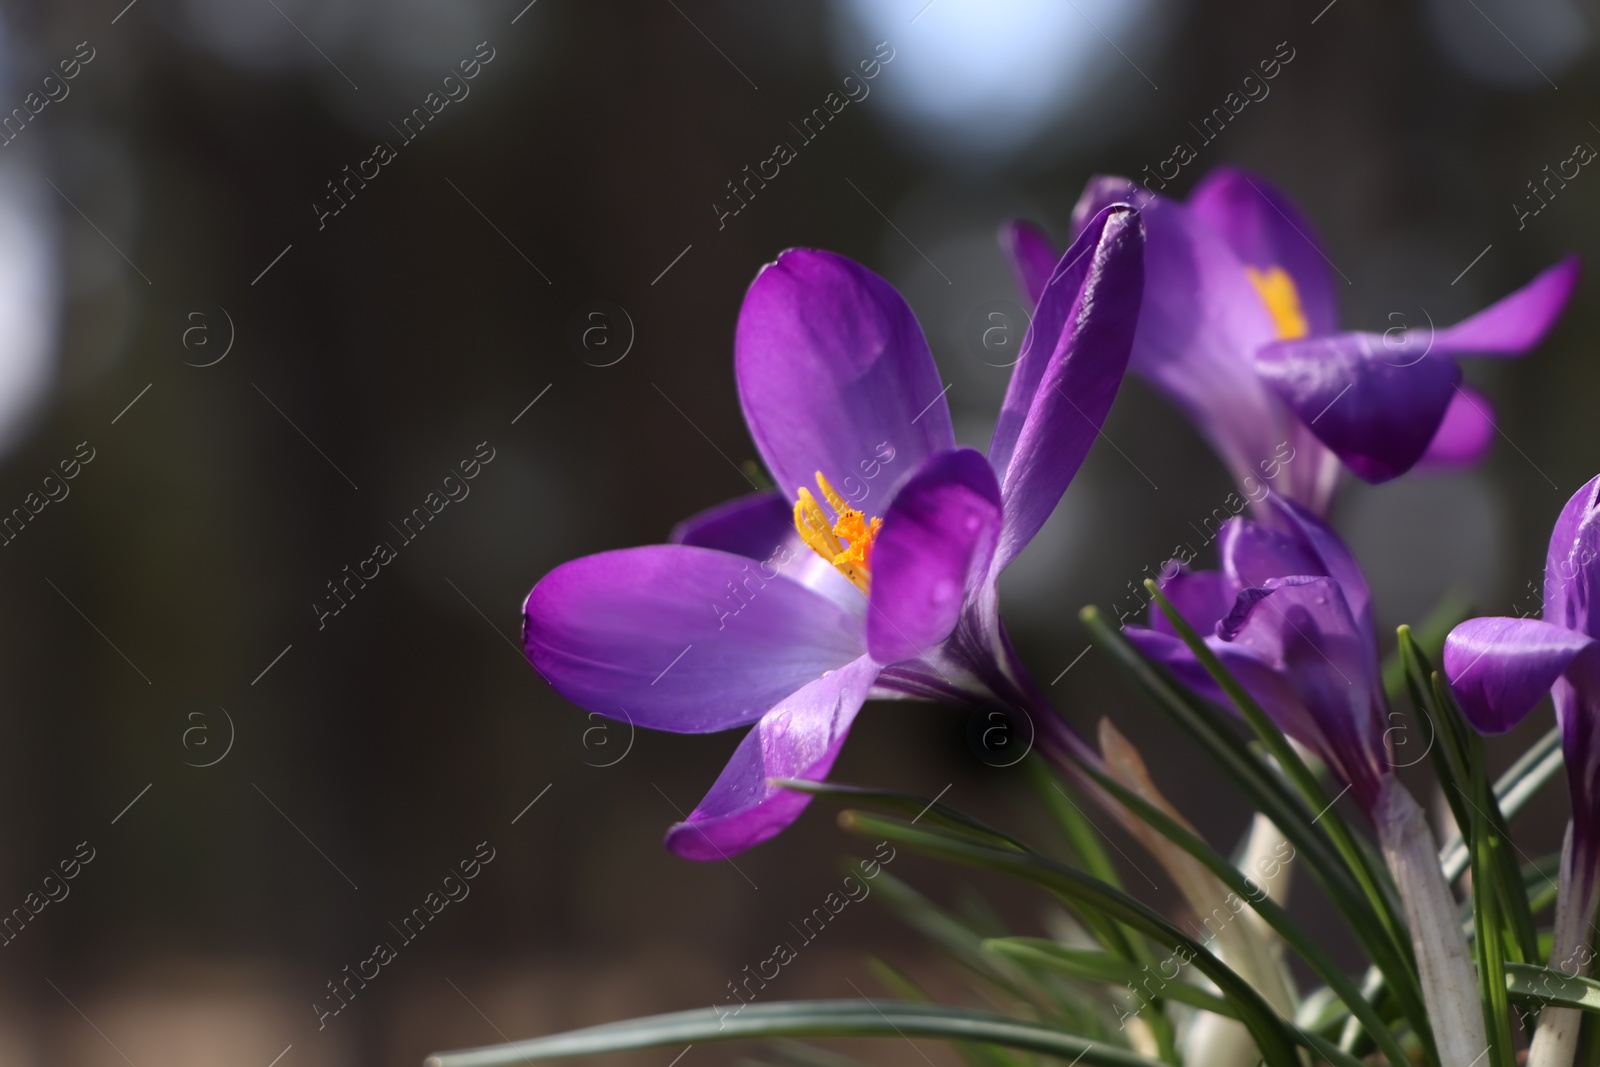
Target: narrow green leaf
[910, 803]
[1269, 795]
[1447, 743]
[966, 947]
[1269, 910]
[942, 927]
[1102, 967]
[1488, 945]
[1429, 635]
[1270, 1032]
[1084, 839]
[818, 1018]
[1503, 872]
[1521, 782]
[1372, 879]
[1261, 785]
[952, 935]
[1080, 833]
[1530, 984]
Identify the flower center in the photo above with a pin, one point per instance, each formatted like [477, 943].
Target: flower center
[1277, 291]
[845, 542]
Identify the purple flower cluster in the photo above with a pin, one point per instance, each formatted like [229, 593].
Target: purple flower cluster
[785, 611]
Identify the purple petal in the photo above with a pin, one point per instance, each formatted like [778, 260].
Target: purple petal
[1571, 578]
[1501, 668]
[1266, 230]
[754, 526]
[1268, 686]
[1169, 651]
[1102, 191]
[1032, 256]
[686, 639]
[1253, 553]
[1304, 628]
[1380, 401]
[1073, 359]
[799, 738]
[1201, 597]
[1199, 323]
[1513, 324]
[1577, 700]
[1375, 400]
[834, 373]
[1465, 434]
[1335, 557]
[937, 539]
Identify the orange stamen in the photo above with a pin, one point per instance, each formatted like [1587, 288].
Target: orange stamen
[846, 541]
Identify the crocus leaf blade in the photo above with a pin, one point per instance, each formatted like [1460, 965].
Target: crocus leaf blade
[1504, 873]
[1272, 1035]
[1369, 875]
[1532, 771]
[1528, 983]
[911, 803]
[1272, 797]
[1080, 834]
[1429, 635]
[1101, 967]
[957, 939]
[1488, 945]
[803, 1018]
[1267, 908]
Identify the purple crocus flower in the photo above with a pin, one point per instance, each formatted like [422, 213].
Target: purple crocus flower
[1240, 329]
[1500, 668]
[1290, 615]
[785, 611]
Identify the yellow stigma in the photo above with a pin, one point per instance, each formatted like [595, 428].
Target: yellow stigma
[845, 542]
[1277, 291]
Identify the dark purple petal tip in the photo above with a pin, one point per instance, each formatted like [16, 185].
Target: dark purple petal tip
[1377, 401]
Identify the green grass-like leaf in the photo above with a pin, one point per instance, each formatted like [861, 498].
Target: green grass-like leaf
[1269, 910]
[1429, 635]
[942, 927]
[814, 1018]
[1103, 967]
[1370, 876]
[1530, 984]
[1522, 781]
[909, 803]
[1269, 795]
[1271, 1034]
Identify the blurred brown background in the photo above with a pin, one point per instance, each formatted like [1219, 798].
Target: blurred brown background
[379, 350]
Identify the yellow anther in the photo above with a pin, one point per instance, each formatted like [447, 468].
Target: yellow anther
[845, 541]
[831, 495]
[1278, 292]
